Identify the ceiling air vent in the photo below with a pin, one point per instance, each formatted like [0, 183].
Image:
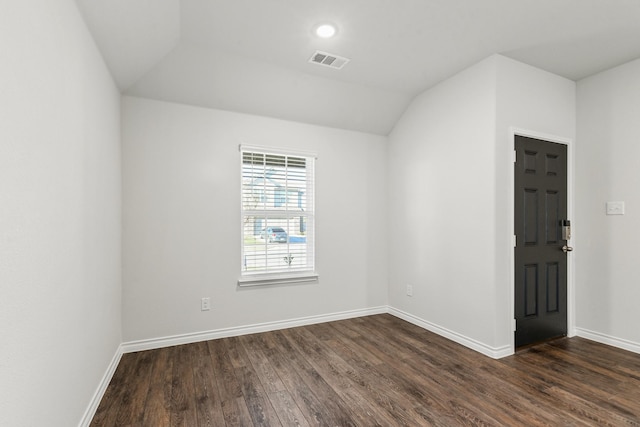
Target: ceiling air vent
[328, 60]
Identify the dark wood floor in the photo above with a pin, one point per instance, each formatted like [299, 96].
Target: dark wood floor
[371, 371]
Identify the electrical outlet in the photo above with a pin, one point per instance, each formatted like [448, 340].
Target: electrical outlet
[409, 290]
[205, 304]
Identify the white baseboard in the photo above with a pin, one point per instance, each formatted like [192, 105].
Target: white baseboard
[609, 340]
[493, 352]
[169, 341]
[154, 343]
[102, 387]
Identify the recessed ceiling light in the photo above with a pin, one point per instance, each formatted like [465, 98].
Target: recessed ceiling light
[325, 31]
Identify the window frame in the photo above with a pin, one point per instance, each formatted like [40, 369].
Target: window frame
[285, 275]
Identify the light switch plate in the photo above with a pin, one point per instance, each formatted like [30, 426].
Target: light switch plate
[615, 208]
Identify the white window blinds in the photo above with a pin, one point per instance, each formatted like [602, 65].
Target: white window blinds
[277, 213]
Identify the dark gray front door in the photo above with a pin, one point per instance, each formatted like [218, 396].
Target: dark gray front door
[540, 262]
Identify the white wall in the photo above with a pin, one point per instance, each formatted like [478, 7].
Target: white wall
[451, 204]
[181, 219]
[442, 205]
[60, 282]
[607, 169]
[536, 101]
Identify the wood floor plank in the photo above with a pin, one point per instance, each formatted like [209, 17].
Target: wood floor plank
[350, 338]
[158, 405]
[250, 348]
[237, 358]
[566, 376]
[430, 380]
[389, 394]
[228, 385]
[107, 411]
[183, 408]
[375, 370]
[336, 372]
[129, 408]
[443, 366]
[317, 412]
[258, 403]
[336, 412]
[287, 409]
[233, 405]
[534, 387]
[133, 406]
[449, 391]
[207, 397]
[619, 382]
[592, 411]
[236, 413]
[569, 381]
[506, 407]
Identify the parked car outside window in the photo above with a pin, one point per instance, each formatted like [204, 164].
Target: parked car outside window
[274, 234]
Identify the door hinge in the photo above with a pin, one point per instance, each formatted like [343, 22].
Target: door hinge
[515, 156]
[513, 325]
[515, 240]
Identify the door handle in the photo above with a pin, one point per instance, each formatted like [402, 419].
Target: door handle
[566, 249]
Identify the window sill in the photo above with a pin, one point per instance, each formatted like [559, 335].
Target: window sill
[277, 279]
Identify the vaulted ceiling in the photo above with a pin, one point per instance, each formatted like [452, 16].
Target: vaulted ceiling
[251, 56]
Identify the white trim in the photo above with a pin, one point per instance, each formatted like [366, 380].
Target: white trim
[513, 131]
[277, 279]
[608, 340]
[154, 343]
[102, 388]
[274, 150]
[493, 352]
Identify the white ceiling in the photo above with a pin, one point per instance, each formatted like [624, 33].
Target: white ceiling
[252, 56]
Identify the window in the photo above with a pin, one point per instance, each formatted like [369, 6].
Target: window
[277, 216]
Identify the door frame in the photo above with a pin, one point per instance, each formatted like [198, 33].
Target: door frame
[513, 132]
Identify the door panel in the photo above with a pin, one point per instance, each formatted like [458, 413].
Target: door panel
[540, 263]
